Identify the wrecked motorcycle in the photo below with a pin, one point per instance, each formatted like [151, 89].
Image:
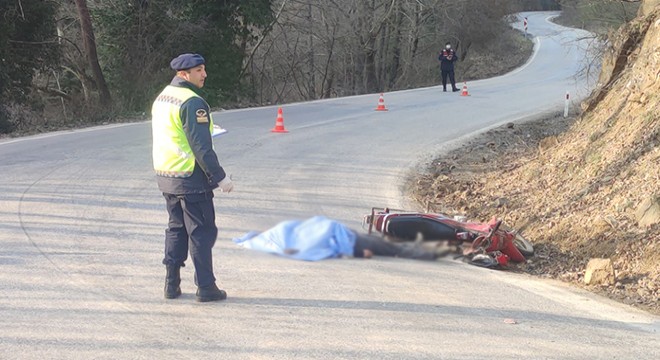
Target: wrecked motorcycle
[485, 244]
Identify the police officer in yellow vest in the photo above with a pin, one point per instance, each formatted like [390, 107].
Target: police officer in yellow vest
[188, 171]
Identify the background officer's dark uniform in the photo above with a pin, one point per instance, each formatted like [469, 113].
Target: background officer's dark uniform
[447, 68]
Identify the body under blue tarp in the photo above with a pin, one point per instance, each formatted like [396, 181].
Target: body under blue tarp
[316, 238]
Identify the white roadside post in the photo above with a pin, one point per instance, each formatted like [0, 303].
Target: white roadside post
[566, 106]
[525, 26]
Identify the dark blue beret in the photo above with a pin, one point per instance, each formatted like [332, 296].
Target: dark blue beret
[186, 61]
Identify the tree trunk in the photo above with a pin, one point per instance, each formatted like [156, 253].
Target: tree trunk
[395, 66]
[89, 44]
[312, 67]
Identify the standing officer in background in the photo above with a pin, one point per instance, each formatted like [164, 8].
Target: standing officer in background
[187, 170]
[447, 58]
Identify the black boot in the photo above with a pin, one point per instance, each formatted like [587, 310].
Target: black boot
[210, 293]
[172, 282]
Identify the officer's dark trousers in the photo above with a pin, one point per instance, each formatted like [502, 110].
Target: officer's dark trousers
[452, 79]
[191, 225]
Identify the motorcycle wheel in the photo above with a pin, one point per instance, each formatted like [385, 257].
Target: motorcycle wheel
[524, 246]
[484, 260]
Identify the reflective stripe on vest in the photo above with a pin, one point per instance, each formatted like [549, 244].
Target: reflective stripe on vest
[172, 155]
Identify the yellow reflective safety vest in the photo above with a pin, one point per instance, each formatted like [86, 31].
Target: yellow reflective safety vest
[172, 155]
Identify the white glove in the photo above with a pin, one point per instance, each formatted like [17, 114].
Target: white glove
[226, 185]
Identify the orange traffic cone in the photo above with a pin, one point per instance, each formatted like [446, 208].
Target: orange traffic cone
[381, 103]
[465, 91]
[279, 123]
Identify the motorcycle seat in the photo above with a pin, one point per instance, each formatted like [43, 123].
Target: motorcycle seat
[407, 227]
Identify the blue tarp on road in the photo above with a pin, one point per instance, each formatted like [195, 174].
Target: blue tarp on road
[313, 239]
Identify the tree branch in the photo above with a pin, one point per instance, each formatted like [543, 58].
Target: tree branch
[261, 39]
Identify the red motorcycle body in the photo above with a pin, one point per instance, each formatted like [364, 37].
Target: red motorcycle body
[406, 225]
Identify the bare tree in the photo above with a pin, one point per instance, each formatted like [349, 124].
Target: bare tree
[346, 47]
[598, 16]
[89, 44]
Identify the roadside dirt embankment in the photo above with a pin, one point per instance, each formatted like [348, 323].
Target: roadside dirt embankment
[582, 189]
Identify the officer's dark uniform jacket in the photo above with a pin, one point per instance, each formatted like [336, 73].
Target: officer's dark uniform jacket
[195, 118]
[445, 63]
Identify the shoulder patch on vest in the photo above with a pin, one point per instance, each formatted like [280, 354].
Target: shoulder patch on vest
[202, 116]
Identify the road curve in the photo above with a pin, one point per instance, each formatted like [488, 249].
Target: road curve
[82, 230]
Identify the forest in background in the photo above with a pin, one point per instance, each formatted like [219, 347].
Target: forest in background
[68, 63]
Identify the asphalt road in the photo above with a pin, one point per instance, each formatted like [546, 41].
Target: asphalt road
[82, 226]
